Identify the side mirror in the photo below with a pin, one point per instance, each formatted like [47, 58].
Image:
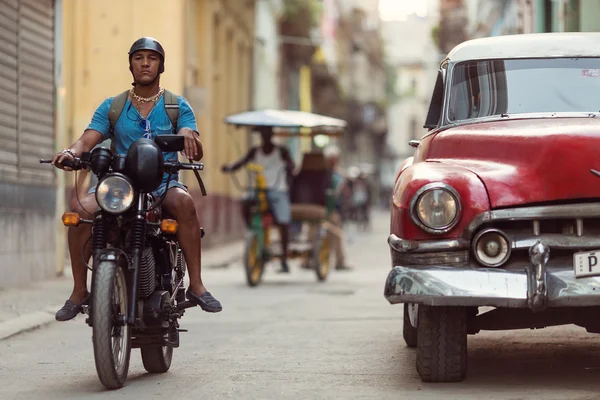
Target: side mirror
[170, 143]
[414, 143]
[101, 159]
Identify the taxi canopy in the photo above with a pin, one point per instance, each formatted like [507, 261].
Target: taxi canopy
[288, 119]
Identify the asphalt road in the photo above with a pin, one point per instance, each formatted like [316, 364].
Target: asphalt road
[295, 338]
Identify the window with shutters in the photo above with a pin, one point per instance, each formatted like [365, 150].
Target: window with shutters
[26, 90]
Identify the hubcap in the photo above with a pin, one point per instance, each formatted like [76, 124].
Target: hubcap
[413, 312]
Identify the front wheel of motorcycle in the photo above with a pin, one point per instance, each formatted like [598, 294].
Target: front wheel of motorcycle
[111, 334]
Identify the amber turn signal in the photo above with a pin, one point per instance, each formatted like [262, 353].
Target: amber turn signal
[70, 219]
[169, 226]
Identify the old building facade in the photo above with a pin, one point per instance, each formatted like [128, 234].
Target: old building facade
[27, 118]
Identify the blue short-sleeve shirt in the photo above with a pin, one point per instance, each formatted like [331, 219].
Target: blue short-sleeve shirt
[131, 126]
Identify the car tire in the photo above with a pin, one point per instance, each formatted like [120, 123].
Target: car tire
[442, 344]
[409, 332]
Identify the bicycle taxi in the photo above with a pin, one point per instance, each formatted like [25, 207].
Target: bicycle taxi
[311, 195]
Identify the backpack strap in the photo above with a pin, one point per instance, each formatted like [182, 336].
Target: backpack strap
[172, 108]
[118, 104]
[116, 108]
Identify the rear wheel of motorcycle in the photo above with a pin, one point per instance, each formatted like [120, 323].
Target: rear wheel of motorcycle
[409, 332]
[157, 360]
[442, 343]
[111, 334]
[254, 259]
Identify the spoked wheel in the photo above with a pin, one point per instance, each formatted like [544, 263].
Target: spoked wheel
[322, 255]
[111, 334]
[253, 260]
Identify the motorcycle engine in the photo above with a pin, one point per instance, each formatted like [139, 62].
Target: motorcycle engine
[147, 276]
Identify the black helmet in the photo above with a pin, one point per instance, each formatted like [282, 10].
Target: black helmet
[148, 43]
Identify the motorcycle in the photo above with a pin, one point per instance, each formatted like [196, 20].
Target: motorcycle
[137, 291]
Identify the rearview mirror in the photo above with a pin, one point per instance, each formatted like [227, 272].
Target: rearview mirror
[170, 143]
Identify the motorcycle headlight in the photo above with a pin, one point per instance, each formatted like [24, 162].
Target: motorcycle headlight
[114, 194]
[436, 208]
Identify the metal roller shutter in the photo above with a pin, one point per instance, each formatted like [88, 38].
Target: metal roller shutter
[8, 88]
[26, 90]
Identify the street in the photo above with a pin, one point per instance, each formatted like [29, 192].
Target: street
[293, 337]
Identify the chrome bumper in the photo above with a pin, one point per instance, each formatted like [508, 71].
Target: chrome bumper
[452, 286]
[536, 287]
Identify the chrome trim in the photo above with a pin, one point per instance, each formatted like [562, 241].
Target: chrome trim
[536, 227]
[464, 286]
[476, 253]
[556, 240]
[414, 143]
[454, 286]
[537, 292]
[437, 258]
[424, 246]
[426, 188]
[579, 224]
[402, 245]
[562, 211]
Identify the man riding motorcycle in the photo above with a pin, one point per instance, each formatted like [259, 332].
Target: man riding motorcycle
[144, 114]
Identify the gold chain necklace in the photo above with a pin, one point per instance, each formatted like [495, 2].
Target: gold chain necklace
[147, 99]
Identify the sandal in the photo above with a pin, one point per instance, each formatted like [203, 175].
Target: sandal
[70, 310]
[206, 301]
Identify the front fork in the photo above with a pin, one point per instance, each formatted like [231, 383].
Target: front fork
[137, 247]
[138, 238]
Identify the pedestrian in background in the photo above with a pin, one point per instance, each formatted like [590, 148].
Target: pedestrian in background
[332, 155]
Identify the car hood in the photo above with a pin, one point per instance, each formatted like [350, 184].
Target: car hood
[526, 161]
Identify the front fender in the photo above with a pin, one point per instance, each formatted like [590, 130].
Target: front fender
[473, 196]
[111, 254]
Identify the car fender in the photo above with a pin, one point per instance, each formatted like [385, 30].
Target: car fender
[473, 197]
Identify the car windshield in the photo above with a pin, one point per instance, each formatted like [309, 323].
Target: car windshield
[496, 87]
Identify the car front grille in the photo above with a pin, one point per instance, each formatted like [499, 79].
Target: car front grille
[564, 235]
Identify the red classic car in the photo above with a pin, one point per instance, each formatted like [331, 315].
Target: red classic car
[495, 220]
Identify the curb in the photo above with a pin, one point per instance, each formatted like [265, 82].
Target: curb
[39, 319]
[27, 322]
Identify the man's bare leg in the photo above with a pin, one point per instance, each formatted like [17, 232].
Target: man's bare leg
[77, 237]
[179, 204]
[338, 241]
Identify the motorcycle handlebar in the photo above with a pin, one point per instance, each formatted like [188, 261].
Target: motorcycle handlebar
[171, 166]
[75, 164]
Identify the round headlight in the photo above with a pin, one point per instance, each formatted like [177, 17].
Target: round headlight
[491, 248]
[114, 194]
[436, 208]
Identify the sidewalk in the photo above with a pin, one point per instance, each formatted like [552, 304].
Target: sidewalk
[34, 306]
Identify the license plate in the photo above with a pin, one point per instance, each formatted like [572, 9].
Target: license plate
[586, 263]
